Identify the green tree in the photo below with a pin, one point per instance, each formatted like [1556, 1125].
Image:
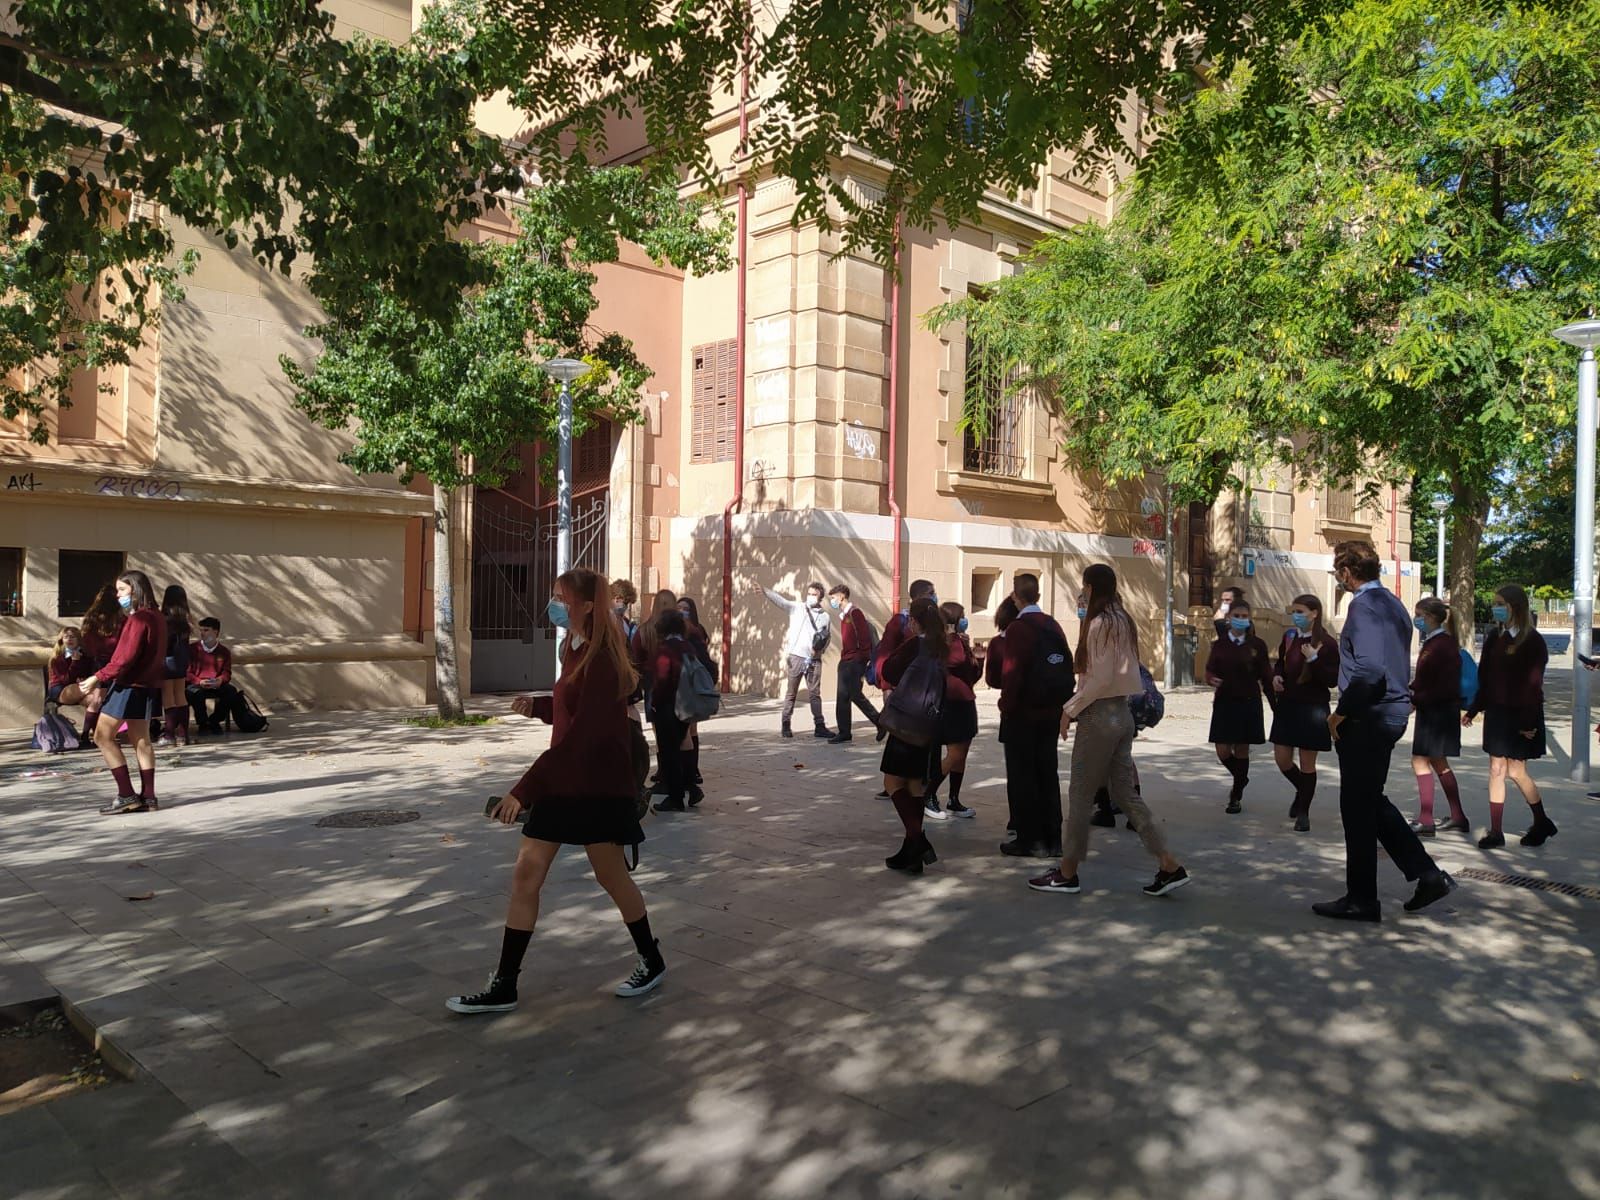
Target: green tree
[1361, 276]
[247, 119]
[454, 398]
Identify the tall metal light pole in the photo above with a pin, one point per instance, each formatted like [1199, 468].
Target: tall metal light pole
[1170, 674]
[565, 370]
[1586, 336]
[1441, 507]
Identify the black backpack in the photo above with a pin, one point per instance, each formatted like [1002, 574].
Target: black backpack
[246, 716]
[912, 711]
[1050, 681]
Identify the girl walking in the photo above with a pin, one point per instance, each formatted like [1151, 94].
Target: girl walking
[580, 792]
[174, 694]
[1240, 669]
[133, 677]
[101, 625]
[1436, 702]
[908, 768]
[699, 644]
[959, 717]
[672, 735]
[1308, 666]
[1107, 659]
[1511, 699]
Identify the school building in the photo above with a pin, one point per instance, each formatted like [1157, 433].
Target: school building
[802, 424]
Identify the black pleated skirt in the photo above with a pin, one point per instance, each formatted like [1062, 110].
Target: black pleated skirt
[1301, 725]
[958, 722]
[1237, 722]
[1436, 731]
[584, 820]
[1502, 738]
[906, 761]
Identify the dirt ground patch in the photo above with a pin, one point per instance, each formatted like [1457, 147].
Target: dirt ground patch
[42, 1058]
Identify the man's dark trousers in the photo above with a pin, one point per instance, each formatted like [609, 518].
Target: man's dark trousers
[851, 676]
[1365, 747]
[222, 695]
[1033, 780]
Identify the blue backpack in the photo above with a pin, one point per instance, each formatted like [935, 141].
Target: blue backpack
[1149, 706]
[1469, 680]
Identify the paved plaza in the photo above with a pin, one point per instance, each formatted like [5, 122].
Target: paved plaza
[827, 1028]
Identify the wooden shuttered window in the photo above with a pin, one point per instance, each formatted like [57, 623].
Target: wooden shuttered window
[712, 406]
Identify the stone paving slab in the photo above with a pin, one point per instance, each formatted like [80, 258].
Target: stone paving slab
[827, 1028]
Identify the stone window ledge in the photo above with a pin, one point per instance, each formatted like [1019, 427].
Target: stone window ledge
[971, 483]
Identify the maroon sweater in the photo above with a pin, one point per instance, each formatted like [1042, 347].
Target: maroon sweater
[1242, 670]
[64, 670]
[1437, 679]
[964, 670]
[665, 671]
[1513, 681]
[895, 634]
[1022, 635]
[210, 664]
[140, 657]
[98, 650]
[856, 646]
[591, 750]
[1307, 682]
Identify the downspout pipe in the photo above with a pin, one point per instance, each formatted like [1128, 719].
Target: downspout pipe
[893, 413]
[736, 503]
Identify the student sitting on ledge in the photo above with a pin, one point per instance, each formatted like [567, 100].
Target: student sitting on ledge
[210, 677]
[69, 664]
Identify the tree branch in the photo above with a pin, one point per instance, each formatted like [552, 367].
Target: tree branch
[74, 61]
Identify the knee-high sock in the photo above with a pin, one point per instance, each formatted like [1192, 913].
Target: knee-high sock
[513, 945]
[1452, 794]
[147, 782]
[1292, 774]
[124, 781]
[643, 941]
[909, 808]
[1425, 798]
[934, 784]
[1306, 789]
[172, 716]
[955, 778]
[1497, 815]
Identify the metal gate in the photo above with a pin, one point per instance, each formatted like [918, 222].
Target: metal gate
[513, 571]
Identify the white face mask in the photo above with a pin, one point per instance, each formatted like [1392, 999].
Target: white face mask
[209, 643]
[813, 601]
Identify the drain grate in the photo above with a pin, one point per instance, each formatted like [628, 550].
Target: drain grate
[367, 818]
[1529, 882]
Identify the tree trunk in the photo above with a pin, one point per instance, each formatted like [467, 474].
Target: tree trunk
[1468, 515]
[446, 672]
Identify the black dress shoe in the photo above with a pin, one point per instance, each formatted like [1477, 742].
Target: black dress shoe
[1430, 888]
[787, 732]
[125, 804]
[671, 806]
[1020, 849]
[908, 858]
[1346, 909]
[822, 731]
[840, 739]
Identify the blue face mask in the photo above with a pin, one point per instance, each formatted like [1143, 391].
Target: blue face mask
[1239, 624]
[1302, 621]
[1501, 613]
[961, 625]
[126, 602]
[1082, 612]
[1422, 625]
[556, 610]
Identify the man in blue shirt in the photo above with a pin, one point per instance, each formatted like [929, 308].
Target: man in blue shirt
[1374, 705]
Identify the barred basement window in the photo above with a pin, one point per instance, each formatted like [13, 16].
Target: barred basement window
[713, 403]
[83, 573]
[1001, 449]
[10, 581]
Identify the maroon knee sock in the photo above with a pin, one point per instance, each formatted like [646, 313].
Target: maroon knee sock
[1425, 798]
[1452, 793]
[909, 808]
[124, 781]
[147, 782]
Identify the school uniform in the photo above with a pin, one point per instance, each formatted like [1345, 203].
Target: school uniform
[176, 663]
[1511, 695]
[1436, 698]
[666, 670]
[1300, 719]
[581, 791]
[64, 670]
[1031, 736]
[855, 654]
[137, 668]
[1244, 665]
[958, 720]
[900, 758]
[209, 682]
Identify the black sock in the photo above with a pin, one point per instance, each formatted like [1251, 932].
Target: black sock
[1538, 813]
[1292, 774]
[932, 792]
[642, 941]
[1243, 771]
[512, 947]
[955, 778]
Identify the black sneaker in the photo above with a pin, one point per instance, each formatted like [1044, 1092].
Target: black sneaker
[671, 806]
[822, 731]
[787, 732]
[932, 811]
[884, 796]
[1346, 909]
[1430, 888]
[646, 977]
[1166, 881]
[125, 804]
[1233, 805]
[696, 794]
[1539, 833]
[1054, 881]
[958, 809]
[1302, 824]
[499, 996]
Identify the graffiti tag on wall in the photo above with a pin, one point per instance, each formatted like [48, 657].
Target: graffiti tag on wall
[860, 442]
[138, 487]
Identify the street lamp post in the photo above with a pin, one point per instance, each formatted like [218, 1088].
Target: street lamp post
[1585, 335]
[1441, 507]
[565, 370]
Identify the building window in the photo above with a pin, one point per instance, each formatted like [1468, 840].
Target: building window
[83, 573]
[986, 595]
[713, 406]
[10, 581]
[591, 458]
[1001, 449]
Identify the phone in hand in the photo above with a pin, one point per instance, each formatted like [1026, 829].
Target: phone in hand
[1591, 663]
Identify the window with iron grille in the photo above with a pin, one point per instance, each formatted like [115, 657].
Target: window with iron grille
[712, 402]
[1001, 447]
[83, 573]
[10, 581]
[591, 458]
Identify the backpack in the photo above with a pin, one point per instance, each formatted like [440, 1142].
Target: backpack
[819, 637]
[913, 709]
[1050, 683]
[698, 697]
[1149, 706]
[54, 734]
[1469, 680]
[872, 661]
[246, 716]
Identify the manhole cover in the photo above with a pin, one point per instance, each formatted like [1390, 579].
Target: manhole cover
[366, 818]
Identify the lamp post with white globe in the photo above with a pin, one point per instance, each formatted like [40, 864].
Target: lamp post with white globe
[1585, 335]
[564, 370]
[1441, 506]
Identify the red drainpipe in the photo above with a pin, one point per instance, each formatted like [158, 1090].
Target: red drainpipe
[1394, 534]
[736, 503]
[894, 392]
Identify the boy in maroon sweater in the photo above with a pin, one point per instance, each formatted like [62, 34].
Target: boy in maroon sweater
[1030, 733]
[210, 677]
[855, 653]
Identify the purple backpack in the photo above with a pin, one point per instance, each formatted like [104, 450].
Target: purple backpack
[54, 734]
